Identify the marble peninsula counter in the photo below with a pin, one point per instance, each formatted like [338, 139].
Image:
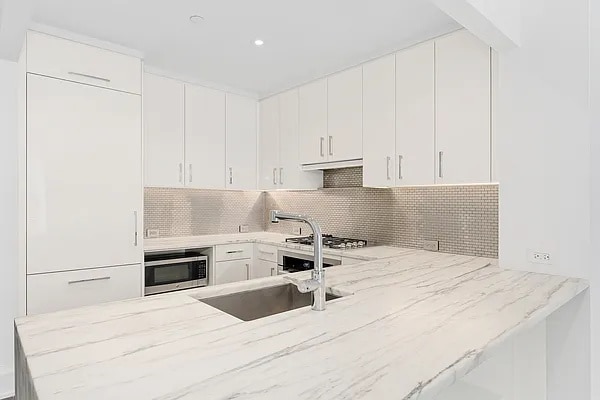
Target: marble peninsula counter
[409, 326]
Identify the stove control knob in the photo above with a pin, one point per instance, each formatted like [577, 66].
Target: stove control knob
[354, 244]
[342, 245]
[361, 244]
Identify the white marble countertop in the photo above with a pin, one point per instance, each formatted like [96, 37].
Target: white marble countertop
[414, 325]
[277, 239]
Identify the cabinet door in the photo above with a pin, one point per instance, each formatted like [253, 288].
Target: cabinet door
[268, 144]
[84, 176]
[462, 109]
[163, 132]
[262, 269]
[312, 122]
[344, 111]
[204, 137]
[232, 271]
[415, 116]
[241, 145]
[379, 122]
[291, 175]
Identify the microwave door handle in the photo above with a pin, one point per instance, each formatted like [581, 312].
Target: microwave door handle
[170, 262]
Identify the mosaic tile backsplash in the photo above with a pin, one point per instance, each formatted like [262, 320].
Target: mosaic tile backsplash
[464, 219]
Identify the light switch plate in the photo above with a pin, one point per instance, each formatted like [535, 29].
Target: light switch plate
[431, 245]
[244, 229]
[152, 233]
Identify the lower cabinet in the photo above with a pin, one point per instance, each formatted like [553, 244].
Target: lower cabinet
[64, 290]
[232, 271]
[262, 269]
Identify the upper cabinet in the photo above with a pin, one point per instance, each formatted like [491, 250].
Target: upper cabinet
[463, 96]
[279, 162]
[344, 116]
[64, 59]
[163, 132]
[241, 142]
[204, 137]
[197, 137]
[312, 122]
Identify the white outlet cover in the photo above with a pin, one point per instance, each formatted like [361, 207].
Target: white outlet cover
[539, 257]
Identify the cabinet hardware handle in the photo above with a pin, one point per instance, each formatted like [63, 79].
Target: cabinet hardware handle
[102, 278]
[267, 252]
[230, 175]
[235, 251]
[180, 172]
[135, 235]
[400, 158]
[272, 271]
[440, 160]
[388, 159]
[190, 172]
[330, 145]
[274, 176]
[247, 271]
[98, 78]
[281, 176]
[322, 146]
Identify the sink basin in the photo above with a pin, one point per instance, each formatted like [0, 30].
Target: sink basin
[260, 303]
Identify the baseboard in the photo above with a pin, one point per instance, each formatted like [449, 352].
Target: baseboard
[7, 383]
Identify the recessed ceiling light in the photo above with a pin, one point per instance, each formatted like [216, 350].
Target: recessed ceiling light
[195, 19]
[259, 42]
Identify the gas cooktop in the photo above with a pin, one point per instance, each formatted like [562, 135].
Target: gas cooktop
[330, 241]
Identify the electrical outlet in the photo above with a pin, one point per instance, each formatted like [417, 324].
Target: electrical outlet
[539, 257]
[244, 229]
[152, 233]
[431, 245]
[297, 230]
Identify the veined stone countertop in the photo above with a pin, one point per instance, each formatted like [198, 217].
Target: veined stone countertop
[276, 239]
[414, 325]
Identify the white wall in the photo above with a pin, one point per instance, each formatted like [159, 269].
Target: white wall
[542, 140]
[8, 221]
[505, 14]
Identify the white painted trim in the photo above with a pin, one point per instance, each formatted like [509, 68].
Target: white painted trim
[333, 165]
[90, 41]
[195, 81]
[22, 183]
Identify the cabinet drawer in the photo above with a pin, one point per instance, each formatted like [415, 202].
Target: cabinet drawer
[237, 251]
[64, 290]
[232, 271]
[266, 252]
[65, 59]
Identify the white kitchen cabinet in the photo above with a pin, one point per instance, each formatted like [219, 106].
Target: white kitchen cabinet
[312, 122]
[268, 142]
[232, 271]
[205, 138]
[279, 162]
[236, 251]
[415, 116]
[379, 122]
[344, 115]
[163, 132]
[241, 142]
[262, 269]
[71, 289]
[84, 176]
[65, 59]
[462, 109]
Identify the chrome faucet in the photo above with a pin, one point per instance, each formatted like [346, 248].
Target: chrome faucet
[317, 282]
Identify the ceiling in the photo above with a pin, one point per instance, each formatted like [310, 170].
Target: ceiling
[303, 39]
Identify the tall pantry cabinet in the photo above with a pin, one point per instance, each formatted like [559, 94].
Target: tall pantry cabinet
[84, 175]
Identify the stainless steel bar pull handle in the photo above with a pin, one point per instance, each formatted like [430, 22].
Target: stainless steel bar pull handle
[322, 152]
[330, 145]
[235, 251]
[98, 78]
[180, 172]
[273, 271]
[281, 176]
[248, 271]
[230, 175]
[190, 168]
[400, 158]
[440, 160]
[102, 278]
[388, 159]
[135, 222]
[274, 176]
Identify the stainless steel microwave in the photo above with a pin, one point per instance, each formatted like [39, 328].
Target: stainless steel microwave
[166, 272]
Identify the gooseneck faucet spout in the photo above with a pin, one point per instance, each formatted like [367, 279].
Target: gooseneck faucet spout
[317, 282]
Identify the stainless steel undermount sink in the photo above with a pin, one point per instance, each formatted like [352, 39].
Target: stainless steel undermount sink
[260, 303]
